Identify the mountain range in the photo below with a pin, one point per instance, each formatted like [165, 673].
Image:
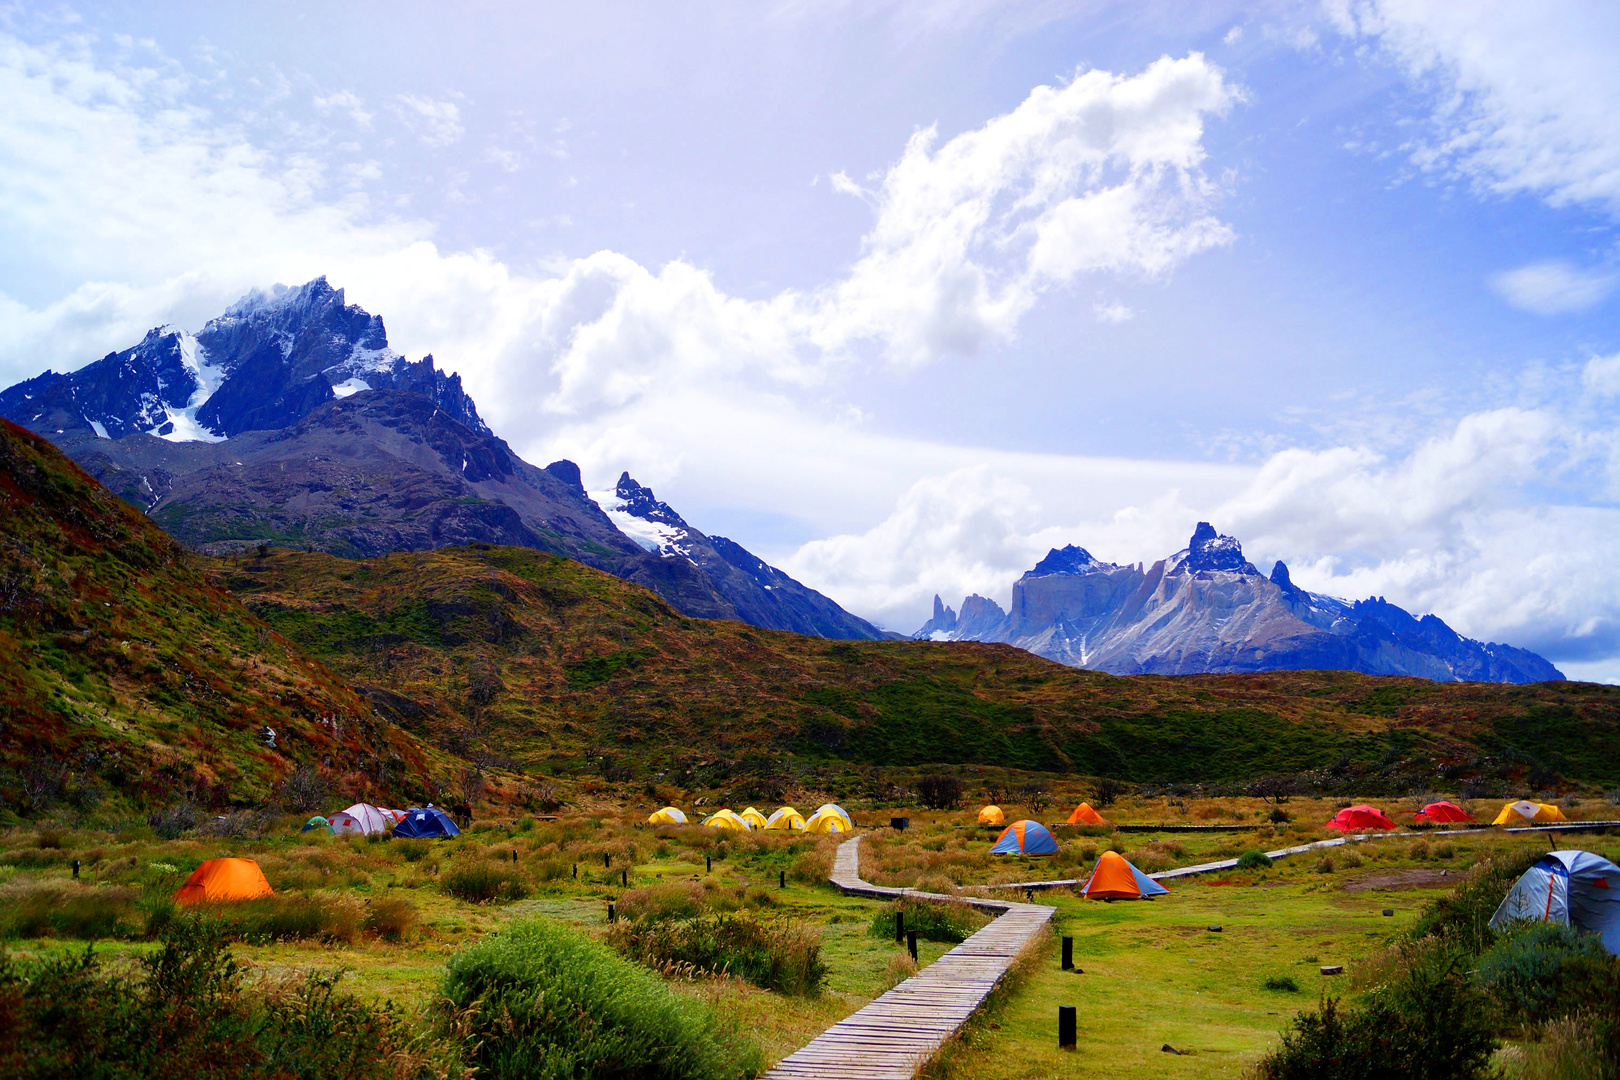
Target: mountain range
[289, 420]
[1207, 609]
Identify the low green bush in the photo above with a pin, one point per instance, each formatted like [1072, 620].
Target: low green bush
[775, 955]
[542, 1001]
[83, 913]
[934, 920]
[483, 881]
[1284, 983]
[185, 1013]
[1430, 1024]
[1254, 859]
[391, 918]
[1536, 971]
[1463, 916]
[284, 918]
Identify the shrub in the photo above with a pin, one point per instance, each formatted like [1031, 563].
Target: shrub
[545, 1001]
[284, 918]
[391, 918]
[174, 820]
[1445, 851]
[1253, 860]
[1284, 983]
[83, 913]
[1463, 916]
[1278, 816]
[1326, 865]
[776, 956]
[934, 920]
[1431, 1025]
[482, 881]
[1532, 972]
[939, 791]
[1419, 851]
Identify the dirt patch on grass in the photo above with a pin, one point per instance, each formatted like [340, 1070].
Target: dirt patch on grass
[1403, 879]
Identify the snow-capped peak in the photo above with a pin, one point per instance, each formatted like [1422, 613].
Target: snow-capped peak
[182, 423]
[644, 519]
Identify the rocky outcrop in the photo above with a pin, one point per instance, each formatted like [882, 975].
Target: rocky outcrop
[1207, 609]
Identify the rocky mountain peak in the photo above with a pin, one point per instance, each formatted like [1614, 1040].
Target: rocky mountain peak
[568, 473]
[1069, 560]
[1209, 550]
[639, 501]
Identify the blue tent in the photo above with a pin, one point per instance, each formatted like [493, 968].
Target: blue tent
[1575, 887]
[425, 824]
[1025, 838]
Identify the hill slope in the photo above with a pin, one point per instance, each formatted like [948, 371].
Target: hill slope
[124, 673]
[512, 653]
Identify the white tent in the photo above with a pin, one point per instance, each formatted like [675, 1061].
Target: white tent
[361, 818]
[1573, 887]
[834, 808]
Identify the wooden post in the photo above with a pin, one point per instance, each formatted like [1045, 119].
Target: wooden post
[576, 871]
[606, 860]
[1068, 954]
[899, 927]
[514, 854]
[624, 878]
[911, 944]
[1066, 1039]
[781, 879]
[75, 869]
[610, 913]
[708, 864]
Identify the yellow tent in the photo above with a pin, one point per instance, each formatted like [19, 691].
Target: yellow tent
[1524, 812]
[826, 821]
[218, 880]
[786, 818]
[725, 819]
[754, 818]
[834, 808]
[992, 815]
[667, 816]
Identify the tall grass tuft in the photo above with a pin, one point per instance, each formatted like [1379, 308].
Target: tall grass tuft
[545, 1002]
[483, 881]
[83, 913]
[285, 918]
[934, 920]
[776, 955]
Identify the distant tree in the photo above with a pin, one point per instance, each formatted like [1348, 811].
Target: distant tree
[1274, 789]
[304, 790]
[940, 791]
[1036, 797]
[1105, 792]
[996, 792]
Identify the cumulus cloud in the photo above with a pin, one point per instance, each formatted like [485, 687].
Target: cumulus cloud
[1523, 93]
[436, 123]
[1553, 287]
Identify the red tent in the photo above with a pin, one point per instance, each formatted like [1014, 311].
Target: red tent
[1438, 812]
[1359, 818]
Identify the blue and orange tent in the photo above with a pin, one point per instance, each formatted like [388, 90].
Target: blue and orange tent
[1025, 838]
[1114, 878]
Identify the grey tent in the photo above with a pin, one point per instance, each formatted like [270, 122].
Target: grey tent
[1574, 887]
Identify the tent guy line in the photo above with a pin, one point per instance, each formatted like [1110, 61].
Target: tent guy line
[894, 1036]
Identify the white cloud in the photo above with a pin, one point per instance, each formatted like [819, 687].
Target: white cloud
[1553, 287]
[436, 123]
[1602, 375]
[1523, 92]
[346, 101]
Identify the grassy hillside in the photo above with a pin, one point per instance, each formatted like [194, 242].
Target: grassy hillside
[126, 675]
[505, 653]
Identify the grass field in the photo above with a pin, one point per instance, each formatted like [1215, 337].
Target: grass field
[1153, 974]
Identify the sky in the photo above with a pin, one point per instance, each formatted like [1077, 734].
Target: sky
[900, 295]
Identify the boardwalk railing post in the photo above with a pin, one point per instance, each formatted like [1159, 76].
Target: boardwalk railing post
[911, 944]
[624, 877]
[1068, 954]
[781, 879]
[610, 913]
[708, 864]
[606, 860]
[576, 871]
[1066, 1038]
[899, 927]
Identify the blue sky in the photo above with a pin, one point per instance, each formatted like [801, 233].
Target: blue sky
[902, 294]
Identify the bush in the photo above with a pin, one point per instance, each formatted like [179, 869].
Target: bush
[939, 791]
[1284, 983]
[934, 920]
[1419, 851]
[774, 956]
[1536, 971]
[185, 1013]
[545, 1001]
[172, 821]
[83, 913]
[391, 918]
[1253, 860]
[283, 918]
[1430, 1025]
[1463, 916]
[483, 881]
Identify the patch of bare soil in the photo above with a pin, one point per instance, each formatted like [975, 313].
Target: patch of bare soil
[1403, 879]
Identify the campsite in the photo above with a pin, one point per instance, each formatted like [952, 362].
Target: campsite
[1198, 980]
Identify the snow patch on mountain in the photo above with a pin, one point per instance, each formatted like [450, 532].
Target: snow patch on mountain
[182, 423]
[658, 537]
[349, 387]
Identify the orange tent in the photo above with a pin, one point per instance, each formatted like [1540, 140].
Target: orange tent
[224, 879]
[1114, 878]
[1085, 815]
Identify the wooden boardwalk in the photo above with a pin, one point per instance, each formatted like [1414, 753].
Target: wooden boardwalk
[896, 1035]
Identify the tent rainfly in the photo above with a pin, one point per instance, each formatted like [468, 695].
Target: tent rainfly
[754, 818]
[316, 822]
[425, 823]
[725, 819]
[1524, 812]
[1360, 818]
[992, 815]
[669, 815]
[827, 820]
[1442, 813]
[785, 817]
[834, 808]
[219, 880]
[361, 818]
[1025, 838]
[1085, 815]
[1114, 878]
[1575, 887]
